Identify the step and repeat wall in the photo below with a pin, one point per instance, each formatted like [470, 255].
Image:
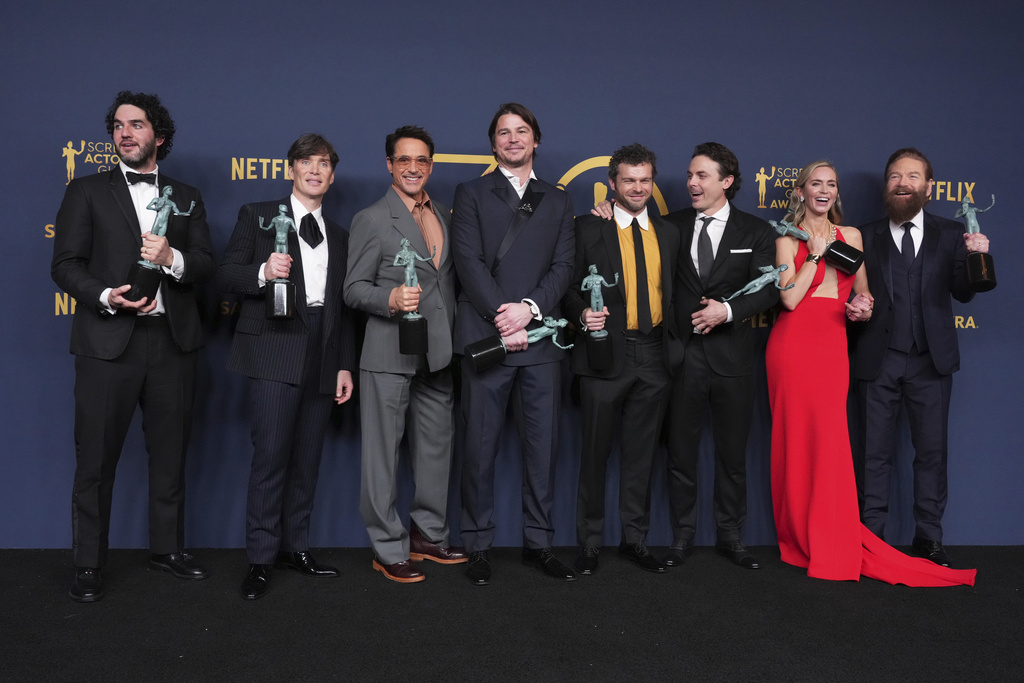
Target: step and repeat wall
[782, 84]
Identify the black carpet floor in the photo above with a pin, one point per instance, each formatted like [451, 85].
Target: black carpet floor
[707, 620]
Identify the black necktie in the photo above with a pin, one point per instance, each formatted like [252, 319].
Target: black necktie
[141, 178]
[705, 255]
[908, 245]
[310, 231]
[643, 297]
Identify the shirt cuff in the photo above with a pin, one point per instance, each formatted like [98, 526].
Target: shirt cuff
[728, 309]
[105, 301]
[177, 268]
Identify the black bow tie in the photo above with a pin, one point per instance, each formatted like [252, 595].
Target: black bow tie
[141, 178]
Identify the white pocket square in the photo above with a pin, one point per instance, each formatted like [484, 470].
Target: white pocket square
[740, 251]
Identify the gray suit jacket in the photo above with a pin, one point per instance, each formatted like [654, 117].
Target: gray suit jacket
[374, 240]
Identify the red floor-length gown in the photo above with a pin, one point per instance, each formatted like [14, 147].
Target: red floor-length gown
[814, 493]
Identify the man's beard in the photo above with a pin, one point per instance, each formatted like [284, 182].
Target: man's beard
[141, 155]
[902, 209]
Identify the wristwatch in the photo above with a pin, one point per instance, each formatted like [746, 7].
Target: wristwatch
[813, 258]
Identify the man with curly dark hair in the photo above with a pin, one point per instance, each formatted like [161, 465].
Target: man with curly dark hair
[129, 352]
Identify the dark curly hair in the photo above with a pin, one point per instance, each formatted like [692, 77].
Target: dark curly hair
[632, 155]
[156, 114]
[728, 164]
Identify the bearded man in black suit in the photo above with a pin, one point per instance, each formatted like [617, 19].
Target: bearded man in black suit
[131, 353]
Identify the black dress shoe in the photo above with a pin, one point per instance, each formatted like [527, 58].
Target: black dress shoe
[304, 563]
[182, 565]
[87, 586]
[930, 550]
[257, 581]
[739, 556]
[678, 552]
[478, 570]
[545, 560]
[586, 561]
[639, 553]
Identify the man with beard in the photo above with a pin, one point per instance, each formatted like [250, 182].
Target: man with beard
[907, 353]
[131, 353]
[633, 391]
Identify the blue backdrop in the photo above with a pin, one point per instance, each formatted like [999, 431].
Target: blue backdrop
[782, 84]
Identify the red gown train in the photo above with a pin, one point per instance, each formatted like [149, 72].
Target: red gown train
[814, 493]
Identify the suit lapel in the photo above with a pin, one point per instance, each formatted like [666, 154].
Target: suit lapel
[929, 247]
[687, 233]
[730, 240]
[123, 199]
[667, 256]
[406, 225]
[883, 250]
[504, 190]
[610, 236]
[335, 272]
[295, 251]
[445, 248]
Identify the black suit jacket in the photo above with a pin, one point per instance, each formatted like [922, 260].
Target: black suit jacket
[537, 266]
[597, 243]
[97, 238]
[748, 243]
[276, 349]
[943, 275]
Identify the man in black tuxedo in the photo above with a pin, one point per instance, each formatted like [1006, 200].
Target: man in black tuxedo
[907, 353]
[512, 236]
[294, 366]
[721, 250]
[636, 317]
[130, 353]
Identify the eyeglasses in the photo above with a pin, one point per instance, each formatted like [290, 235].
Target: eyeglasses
[422, 162]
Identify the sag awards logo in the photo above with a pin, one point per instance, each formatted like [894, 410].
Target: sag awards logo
[90, 157]
[776, 185]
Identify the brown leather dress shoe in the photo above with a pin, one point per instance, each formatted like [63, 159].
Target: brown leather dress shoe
[402, 572]
[421, 549]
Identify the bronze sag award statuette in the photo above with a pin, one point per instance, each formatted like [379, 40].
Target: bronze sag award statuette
[412, 328]
[981, 269]
[280, 292]
[840, 254]
[145, 276]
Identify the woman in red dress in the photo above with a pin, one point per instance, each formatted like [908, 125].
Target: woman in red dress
[814, 493]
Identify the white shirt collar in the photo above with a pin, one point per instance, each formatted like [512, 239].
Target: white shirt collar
[514, 179]
[623, 219]
[720, 215]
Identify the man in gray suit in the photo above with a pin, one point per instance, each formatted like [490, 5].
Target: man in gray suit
[397, 387]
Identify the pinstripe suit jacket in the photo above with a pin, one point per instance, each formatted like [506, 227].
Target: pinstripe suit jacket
[276, 349]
